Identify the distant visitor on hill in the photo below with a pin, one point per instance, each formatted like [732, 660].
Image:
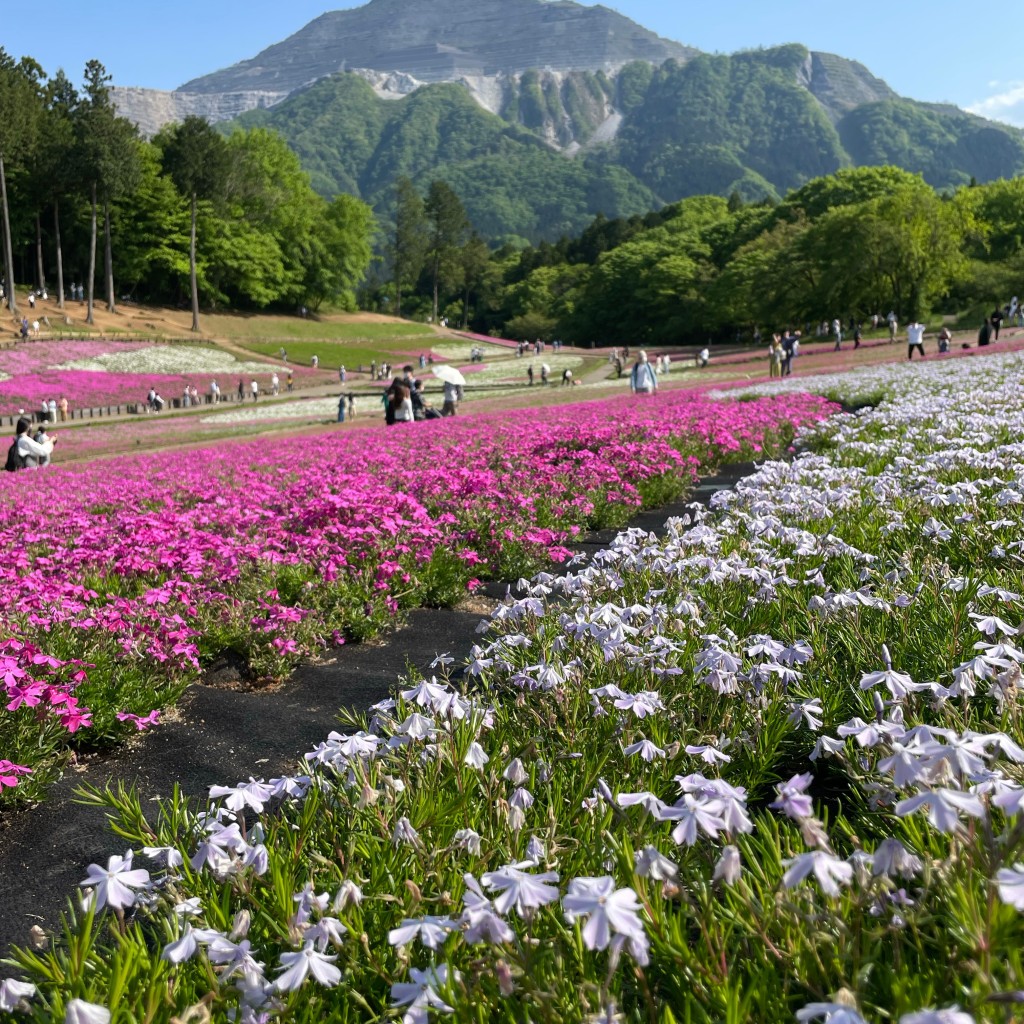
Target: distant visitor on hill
[643, 380]
[893, 322]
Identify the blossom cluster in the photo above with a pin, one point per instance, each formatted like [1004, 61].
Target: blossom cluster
[767, 766]
[149, 568]
[93, 374]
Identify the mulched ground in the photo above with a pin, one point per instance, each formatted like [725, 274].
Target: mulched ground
[221, 735]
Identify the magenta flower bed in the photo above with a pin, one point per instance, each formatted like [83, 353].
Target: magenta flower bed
[122, 579]
[34, 377]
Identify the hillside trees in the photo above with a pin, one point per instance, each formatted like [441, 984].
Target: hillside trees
[107, 147]
[196, 158]
[407, 243]
[447, 226]
[19, 113]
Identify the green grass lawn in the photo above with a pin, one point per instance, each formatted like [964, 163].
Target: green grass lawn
[334, 353]
[271, 328]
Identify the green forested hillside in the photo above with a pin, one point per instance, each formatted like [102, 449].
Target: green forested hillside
[760, 124]
[513, 184]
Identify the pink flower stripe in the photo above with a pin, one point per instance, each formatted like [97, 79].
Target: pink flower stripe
[120, 579]
[33, 377]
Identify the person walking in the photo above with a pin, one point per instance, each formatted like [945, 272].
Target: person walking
[451, 399]
[915, 339]
[241, 390]
[255, 388]
[529, 374]
[643, 380]
[275, 384]
[858, 335]
[214, 392]
[341, 409]
[893, 322]
[837, 333]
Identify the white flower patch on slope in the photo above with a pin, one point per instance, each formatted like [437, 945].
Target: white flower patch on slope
[169, 360]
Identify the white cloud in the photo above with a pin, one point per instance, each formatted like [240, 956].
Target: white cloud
[1005, 105]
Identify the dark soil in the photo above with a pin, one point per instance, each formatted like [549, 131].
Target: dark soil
[225, 731]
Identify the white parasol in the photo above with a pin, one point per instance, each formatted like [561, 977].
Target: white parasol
[449, 375]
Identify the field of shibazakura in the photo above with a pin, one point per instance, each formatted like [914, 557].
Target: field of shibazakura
[767, 766]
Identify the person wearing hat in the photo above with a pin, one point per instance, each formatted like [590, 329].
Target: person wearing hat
[643, 380]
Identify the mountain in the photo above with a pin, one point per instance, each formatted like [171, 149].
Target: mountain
[539, 154]
[441, 40]
[543, 113]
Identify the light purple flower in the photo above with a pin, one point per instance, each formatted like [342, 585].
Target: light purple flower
[80, 1012]
[297, 967]
[608, 911]
[420, 994]
[112, 886]
[519, 889]
[830, 871]
[793, 800]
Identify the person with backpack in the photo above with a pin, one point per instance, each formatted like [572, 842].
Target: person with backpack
[26, 453]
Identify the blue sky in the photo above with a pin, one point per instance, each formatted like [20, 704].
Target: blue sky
[939, 51]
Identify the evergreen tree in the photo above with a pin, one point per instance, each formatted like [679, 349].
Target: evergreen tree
[197, 159]
[447, 225]
[408, 243]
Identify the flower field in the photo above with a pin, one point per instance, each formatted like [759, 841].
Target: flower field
[123, 579]
[766, 768]
[100, 373]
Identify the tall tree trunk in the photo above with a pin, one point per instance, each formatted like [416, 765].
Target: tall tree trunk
[91, 284]
[60, 254]
[8, 249]
[40, 275]
[108, 260]
[192, 269]
[437, 275]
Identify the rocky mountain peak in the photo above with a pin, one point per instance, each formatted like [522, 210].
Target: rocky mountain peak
[443, 40]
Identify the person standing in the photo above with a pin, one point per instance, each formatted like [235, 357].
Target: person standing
[275, 384]
[29, 453]
[837, 333]
[343, 373]
[944, 339]
[643, 380]
[63, 406]
[241, 390]
[341, 409]
[255, 388]
[985, 334]
[214, 392]
[893, 325]
[51, 406]
[997, 322]
[775, 357]
[915, 339]
[529, 374]
[291, 380]
[858, 335]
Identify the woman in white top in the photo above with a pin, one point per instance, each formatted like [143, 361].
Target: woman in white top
[32, 453]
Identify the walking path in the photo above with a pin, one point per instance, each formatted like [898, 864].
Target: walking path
[219, 735]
